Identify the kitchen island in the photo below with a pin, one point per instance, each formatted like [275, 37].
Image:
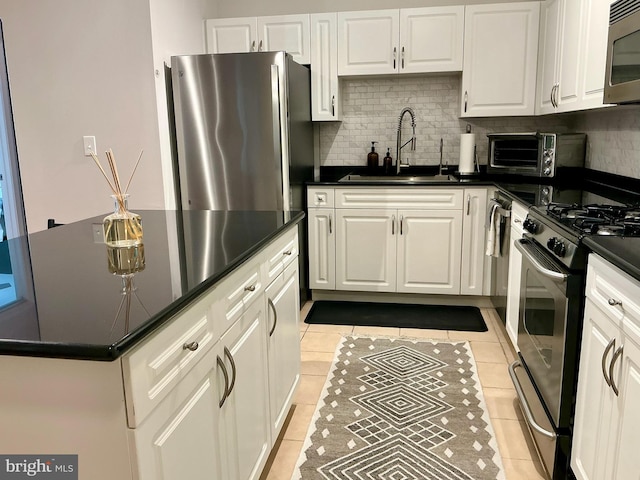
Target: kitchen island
[188, 365]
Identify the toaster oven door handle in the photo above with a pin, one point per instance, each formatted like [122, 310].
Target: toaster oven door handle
[553, 274]
[526, 409]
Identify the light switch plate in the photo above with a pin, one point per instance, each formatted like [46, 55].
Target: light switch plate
[98, 233]
[89, 143]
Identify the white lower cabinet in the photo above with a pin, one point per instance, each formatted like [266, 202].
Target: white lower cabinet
[400, 240]
[607, 422]
[283, 332]
[518, 214]
[428, 251]
[244, 430]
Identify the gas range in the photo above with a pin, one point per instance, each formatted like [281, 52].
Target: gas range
[560, 226]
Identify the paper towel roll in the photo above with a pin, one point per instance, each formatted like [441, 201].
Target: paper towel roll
[467, 150]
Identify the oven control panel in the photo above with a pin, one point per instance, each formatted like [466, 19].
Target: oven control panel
[553, 242]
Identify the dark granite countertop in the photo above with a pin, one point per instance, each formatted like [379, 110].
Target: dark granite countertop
[68, 305]
[623, 252]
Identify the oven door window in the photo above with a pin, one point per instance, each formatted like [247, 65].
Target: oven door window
[541, 330]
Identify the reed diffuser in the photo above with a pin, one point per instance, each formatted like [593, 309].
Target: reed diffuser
[122, 228]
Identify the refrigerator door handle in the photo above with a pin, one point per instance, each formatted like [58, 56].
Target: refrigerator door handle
[275, 109]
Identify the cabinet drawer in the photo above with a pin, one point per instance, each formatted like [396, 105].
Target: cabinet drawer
[155, 367]
[277, 256]
[606, 284]
[518, 214]
[320, 197]
[423, 198]
[237, 291]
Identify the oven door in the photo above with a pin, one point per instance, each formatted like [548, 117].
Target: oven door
[542, 323]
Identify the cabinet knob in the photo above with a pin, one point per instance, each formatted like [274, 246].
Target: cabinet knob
[193, 346]
[613, 302]
[250, 288]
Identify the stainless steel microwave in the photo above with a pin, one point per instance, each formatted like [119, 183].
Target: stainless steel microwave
[622, 73]
[535, 154]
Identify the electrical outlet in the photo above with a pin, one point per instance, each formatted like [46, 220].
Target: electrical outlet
[98, 233]
[89, 145]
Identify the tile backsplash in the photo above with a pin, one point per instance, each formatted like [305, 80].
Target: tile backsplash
[371, 105]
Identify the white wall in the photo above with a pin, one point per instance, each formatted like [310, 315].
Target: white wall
[81, 67]
[243, 8]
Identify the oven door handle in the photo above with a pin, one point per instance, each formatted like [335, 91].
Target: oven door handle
[525, 405]
[555, 275]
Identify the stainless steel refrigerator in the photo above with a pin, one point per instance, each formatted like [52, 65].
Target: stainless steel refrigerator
[243, 131]
[243, 138]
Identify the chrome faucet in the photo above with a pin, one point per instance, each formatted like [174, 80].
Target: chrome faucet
[412, 140]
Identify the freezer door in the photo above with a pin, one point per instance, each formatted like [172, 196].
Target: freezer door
[229, 115]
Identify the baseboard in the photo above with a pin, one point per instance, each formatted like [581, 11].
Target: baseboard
[382, 297]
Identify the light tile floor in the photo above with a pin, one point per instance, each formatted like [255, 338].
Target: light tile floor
[492, 351]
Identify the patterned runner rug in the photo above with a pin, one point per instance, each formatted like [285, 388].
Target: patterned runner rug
[401, 409]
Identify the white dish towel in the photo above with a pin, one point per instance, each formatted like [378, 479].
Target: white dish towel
[493, 234]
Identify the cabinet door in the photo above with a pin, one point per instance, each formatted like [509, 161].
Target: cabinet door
[366, 250]
[473, 241]
[325, 94]
[232, 35]
[322, 249]
[368, 42]
[283, 311]
[594, 398]
[431, 39]
[624, 445]
[500, 56]
[570, 55]
[180, 438]
[594, 36]
[548, 46]
[244, 417]
[285, 32]
[429, 245]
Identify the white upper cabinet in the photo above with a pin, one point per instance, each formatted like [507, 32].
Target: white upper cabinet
[431, 39]
[368, 42]
[500, 57]
[260, 34]
[571, 55]
[286, 32]
[232, 35]
[325, 89]
[412, 40]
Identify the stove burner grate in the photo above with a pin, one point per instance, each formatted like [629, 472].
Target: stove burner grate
[598, 219]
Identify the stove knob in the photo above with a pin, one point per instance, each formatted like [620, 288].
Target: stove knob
[551, 243]
[547, 171]
[559, 248]
[548, 160]
[530, 226]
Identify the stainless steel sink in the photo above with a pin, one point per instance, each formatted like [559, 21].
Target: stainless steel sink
[395, 179]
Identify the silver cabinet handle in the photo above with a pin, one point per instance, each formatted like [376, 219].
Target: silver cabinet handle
[523, 401]
[403, 57]
[466, 97]
[393, 224]
[227, 354]
[610, 345]
[260, 46]
[333, 105]
[225, 394]
[614, 359]
[517, 220]
[551, 96]
[395, 52]
[613, 302]
[468, 204]
[401, 222]
[275, 316]
[330, 224]
[250, 288]
[193, 346]
[287, 252]
[555, 95]
[253, 46]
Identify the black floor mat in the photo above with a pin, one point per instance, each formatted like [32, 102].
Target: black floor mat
[437, 317]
